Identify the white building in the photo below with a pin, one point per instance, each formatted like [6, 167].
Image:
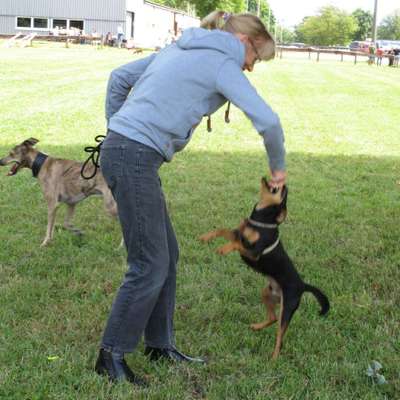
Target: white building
[147, 23]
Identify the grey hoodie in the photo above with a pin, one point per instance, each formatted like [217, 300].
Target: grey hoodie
[174, 89]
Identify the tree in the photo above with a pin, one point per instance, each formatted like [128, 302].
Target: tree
[390, 27]
[287, 35]
[266, 14]
[331, 26]
[179, 4]
[204, 7]
[364, 21]
[299, 31]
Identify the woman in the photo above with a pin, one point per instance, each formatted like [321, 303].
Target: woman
[171, 92]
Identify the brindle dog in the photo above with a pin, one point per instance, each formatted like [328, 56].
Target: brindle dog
[257, 241]
[61, 182]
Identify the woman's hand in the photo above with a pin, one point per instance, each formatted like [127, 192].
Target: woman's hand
[278, 179]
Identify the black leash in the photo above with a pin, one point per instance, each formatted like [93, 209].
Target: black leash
[94, 157]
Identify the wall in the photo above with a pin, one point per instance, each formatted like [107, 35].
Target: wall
[153, 23]
[99, 15]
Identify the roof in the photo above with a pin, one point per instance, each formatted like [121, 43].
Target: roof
[175, 10]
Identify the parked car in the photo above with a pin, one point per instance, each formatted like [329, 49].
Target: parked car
[387, 45]
[354, 46]
[360, 46]
[296, 44]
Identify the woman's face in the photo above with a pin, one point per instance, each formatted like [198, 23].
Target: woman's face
[251, 55]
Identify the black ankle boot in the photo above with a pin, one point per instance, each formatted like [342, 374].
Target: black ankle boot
[172, 354]
[115, 367]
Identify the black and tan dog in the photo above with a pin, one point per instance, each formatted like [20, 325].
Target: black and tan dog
[61, 182]
[257, 241]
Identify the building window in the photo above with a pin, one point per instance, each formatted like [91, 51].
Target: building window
[40, 23]
[23, 22]
[60, 23]
[76, 24]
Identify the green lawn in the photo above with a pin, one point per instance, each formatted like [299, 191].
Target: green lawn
[342, 132]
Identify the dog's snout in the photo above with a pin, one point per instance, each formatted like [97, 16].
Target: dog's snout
[274, 190]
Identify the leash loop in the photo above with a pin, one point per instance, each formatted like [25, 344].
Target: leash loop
[227, 119]
[94, 156]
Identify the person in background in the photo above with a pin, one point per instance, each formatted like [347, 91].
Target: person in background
[371, 57]
[390, 55]
[153, 106]
[120, 35]
[379, 56]
[170, 38]
[396, 53]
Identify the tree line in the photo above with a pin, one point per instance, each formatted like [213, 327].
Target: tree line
[333, 26]
[330, 26]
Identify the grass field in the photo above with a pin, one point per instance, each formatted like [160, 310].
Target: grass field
[342, 132]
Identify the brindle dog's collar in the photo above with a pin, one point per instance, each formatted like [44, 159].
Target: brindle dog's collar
[37, 164]
[262, 224]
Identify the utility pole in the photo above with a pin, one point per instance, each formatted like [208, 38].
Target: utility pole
[374, 23]
[258, 8]
[269, 17]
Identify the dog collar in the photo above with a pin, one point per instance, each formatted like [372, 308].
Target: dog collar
[261, 224]
[270, 248]
[37, 164]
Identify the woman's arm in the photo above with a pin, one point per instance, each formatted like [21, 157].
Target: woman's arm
[234, 85]
[121, 81]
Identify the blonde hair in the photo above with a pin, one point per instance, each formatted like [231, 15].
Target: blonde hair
[247, 24]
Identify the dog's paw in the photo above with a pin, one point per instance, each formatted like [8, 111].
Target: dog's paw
[253, 327]
[224, 250]
[257, 326]
[206, 237]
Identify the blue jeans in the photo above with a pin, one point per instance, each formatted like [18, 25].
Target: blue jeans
[145, 301]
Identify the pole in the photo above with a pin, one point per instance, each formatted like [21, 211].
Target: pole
[269, 17]
[258, 8]
[374, 28]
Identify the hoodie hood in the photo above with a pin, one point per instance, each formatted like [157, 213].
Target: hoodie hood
[224, 42]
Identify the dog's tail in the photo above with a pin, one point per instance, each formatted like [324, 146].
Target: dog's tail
[322, 299]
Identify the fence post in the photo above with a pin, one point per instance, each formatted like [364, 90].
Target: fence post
[317, 56]
[355, 58]
[341, 57]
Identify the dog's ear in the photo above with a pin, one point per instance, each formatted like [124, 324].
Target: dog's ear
[283, 214]
[30, 142]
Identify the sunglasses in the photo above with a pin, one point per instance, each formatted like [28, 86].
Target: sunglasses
[258, 58]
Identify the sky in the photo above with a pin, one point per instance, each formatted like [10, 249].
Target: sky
[291, 12]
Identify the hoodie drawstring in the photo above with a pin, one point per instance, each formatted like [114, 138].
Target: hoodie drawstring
[227, 120]
[209, 129]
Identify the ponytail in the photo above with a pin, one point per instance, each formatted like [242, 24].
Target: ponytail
[214, 20]
[245, 23]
